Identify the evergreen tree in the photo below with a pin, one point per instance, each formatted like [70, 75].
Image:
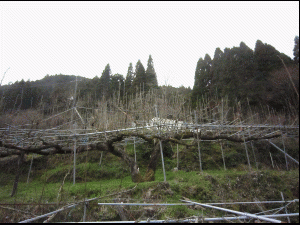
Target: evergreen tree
[151, 75]
[129, 79]
[266, 57]
[266, 60]
[105, 82]
[244, 71]
[139, 80]
[217, 71]
[232, 72]
[202, 78]
[117, 84]
[296, 50]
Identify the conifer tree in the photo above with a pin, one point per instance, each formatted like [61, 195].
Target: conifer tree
[266, 60]
[139, 80]
[105, 81]
[129, 79]
[217, 71]
[296, 49]
[150, 74]
[202, 78]
[245, 69]
[117, 84]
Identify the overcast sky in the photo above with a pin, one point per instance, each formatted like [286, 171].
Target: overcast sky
[81, 38]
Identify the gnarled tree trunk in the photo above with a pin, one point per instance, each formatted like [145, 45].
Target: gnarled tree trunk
[20, 162]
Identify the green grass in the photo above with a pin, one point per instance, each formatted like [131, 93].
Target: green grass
[214, 184]
[208, 186]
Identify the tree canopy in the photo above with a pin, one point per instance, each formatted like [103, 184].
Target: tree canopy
[241, 74]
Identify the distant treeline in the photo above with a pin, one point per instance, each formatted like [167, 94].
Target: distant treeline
[244, 75]
[58, 90]
[239, 73]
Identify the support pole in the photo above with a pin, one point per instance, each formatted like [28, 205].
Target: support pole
[29, 169]
[101, 158]
[162, 160]
[236, 212]
[247, 152]
[177, 157]
[84, 212]
[214, 219]
[283, 152]
[74, 166]
[286, 162]
[223, 156]
[134, 149]
[285, 208]
[272, 160]
[199, 152]
[251, 142]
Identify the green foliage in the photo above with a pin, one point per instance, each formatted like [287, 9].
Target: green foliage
[178, 212]
[208, 186]
[139, 82]
[105, 81]
[117, 85]
[202, 77]
[129, 80]
[151, 75]
[296, 50]
[241, 74]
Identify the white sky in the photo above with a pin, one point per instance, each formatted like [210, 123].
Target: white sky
[80, 38]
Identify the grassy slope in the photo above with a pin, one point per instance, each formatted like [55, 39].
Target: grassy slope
[213, 185]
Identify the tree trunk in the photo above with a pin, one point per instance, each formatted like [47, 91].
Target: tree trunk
[121, 212]
[149, 175]
[20, 162]
[134, 169]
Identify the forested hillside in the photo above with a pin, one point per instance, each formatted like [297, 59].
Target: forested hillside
[260, 76]
[263, 76]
